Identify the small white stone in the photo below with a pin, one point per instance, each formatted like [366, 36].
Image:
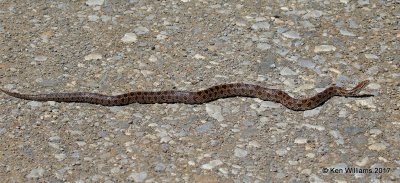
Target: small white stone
[339, 138]
[346, 33]
[153, 58]
[292, 35]
[324, 48]
[60, 157]
[129, 38]
[94, 2]
[374, 86]
[367, 103]
[377, 147]
[300, 140]
[371, 56]
[93, 56]
[80, 143]
[36, 173]
[93, 18]
[138, 177]
[141, 30]
[313, 14]
[281, 152]
[210, 165]
[240, 153]
[254, 144]
[40, 58]
[200, 57]
[263, 46]
[362, 162]
[286, 71]
[34, 104]
[214, 111]
[260, 26]
[312, 112]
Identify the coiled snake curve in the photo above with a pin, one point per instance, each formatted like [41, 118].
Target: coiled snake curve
[199, 97]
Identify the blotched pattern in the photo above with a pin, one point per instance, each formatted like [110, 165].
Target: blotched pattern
[198, 97]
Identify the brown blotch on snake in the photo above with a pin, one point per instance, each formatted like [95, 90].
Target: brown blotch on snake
[199, 97]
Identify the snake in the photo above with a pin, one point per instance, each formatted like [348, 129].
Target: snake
[199, 97]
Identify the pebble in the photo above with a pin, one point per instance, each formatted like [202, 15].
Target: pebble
[353, 24]
[307, 63]
[369, 103]
[313, 14]
[324, 48]
[138, 177]
[36, 173]
[363, 2]
[338, 137]
[212, 164]
[94, 2]
[281, 152]
[362, 162]
[141, 30]
[40, 58]
[260, 26]
[214, 111]
[371, 56]
[286, 71]
[129, 38]
[93, 18]
[204, 127]
[377, 147]
[374, 86]
[312, 112]
[240, 153]
[292, 35]
[346, 33]
[199, 57]
[159, 167]
[93, 56]
[60, 157]
[263, 46]
[34, 104]
[300, 140]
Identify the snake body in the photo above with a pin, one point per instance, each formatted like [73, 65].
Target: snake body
[198, 97]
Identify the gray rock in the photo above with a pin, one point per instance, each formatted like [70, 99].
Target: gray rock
[35, 173]
[204, 127]
[93, 18]
[363, 2]
[240, 153]
[141, 30]
[307, 63]
[287, 72]
[371, 56]
[260, 26]
[346, 33]
[292, 35]
[129, 38]
[324, 48]
[212, 164]
[263, 46]
[313, 112]
[40, 58]
[313, 14]
[138, 177]
[94, 2]
[214, 111]
[34, 104]
[159, 167]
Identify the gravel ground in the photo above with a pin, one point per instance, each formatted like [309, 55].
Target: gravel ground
[113, 47]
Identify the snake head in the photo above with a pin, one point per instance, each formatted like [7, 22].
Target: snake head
[354, 91]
